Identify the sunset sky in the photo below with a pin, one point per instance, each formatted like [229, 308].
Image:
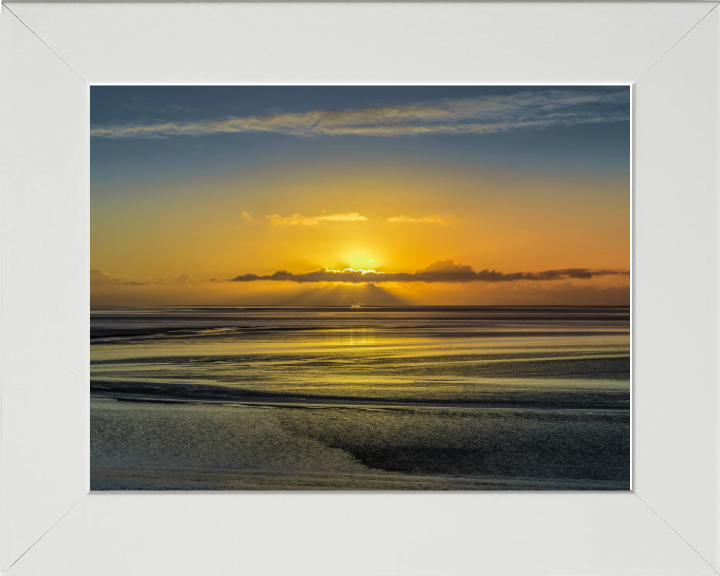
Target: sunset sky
[360, 195]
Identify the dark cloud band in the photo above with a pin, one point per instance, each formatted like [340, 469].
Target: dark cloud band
[442, 271]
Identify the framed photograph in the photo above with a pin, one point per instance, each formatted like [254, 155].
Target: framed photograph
[360, 287]
[369, 288]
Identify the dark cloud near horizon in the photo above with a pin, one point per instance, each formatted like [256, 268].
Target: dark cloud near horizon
[440, 271]
[99, 278]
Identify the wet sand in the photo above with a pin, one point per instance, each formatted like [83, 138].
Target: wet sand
[187, 446]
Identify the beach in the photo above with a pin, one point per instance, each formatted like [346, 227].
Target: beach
[403, 398]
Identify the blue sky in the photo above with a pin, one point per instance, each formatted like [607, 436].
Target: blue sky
[591, 148]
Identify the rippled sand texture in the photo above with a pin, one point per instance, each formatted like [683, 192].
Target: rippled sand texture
[347, 398]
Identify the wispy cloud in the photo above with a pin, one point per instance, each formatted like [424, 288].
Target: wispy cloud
[145, 105]
[485, 114]
[180, 280]
[100, 279]
[246, 215]
[442, 219]
[300, 220]
[440, 271]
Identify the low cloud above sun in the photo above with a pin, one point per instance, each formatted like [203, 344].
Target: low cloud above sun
[300, 220]
[442, 219]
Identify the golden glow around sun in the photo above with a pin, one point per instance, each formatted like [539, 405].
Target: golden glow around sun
[358, 258]
[509, 226]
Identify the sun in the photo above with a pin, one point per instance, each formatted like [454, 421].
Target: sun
[360, 258]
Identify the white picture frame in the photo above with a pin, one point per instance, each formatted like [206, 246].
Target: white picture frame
[50, 53]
